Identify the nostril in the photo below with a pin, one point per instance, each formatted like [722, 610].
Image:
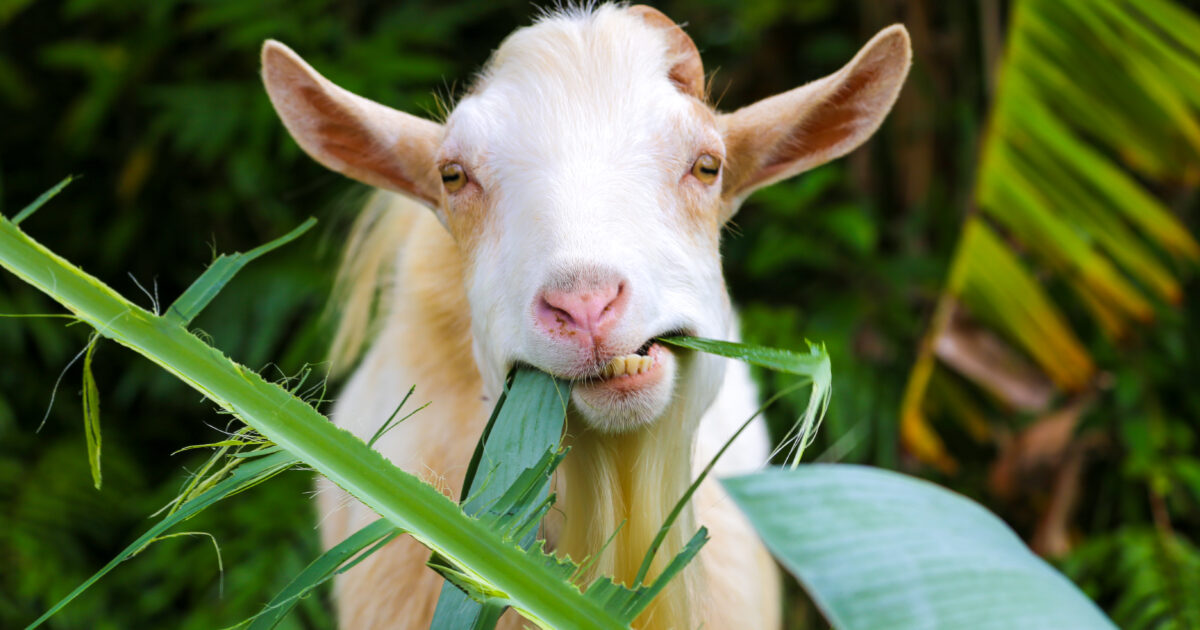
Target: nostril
[611, 298]
[559, 315]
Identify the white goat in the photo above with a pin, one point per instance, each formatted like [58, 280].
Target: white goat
[578, 193]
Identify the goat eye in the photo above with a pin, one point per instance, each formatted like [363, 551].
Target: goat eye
[707, 168]
[453, 177]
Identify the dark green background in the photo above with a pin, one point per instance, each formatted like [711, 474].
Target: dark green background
[157, 104]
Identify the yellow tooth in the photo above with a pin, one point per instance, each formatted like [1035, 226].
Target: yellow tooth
[629, 364]
[617, 366]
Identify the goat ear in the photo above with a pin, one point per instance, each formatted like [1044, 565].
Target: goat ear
[788, 133]
[359, 138]
[687, 71]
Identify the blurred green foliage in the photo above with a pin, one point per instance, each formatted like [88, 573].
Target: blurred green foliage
[157, 104]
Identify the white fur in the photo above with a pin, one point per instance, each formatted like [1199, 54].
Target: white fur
[577, 144]
[582, 140]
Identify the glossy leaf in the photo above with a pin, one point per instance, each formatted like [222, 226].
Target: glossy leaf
[877, 550]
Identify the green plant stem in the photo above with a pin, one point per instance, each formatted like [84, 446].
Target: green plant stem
[400, 497]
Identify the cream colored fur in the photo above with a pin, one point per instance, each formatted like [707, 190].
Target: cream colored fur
[577, 143]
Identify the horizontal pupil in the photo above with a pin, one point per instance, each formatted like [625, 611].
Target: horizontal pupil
[450, 178]
[708, 171]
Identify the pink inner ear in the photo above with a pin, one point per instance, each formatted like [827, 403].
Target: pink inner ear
[835, 123]
[826, 131]
[795, 131]
[341, 135]
[351, 135]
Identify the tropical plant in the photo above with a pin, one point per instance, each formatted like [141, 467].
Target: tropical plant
[1069, 246]
[1090, 96]
[928, 540]
[156, 102]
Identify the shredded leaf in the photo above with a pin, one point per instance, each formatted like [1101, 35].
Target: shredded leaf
[815, 366]
[91, 412]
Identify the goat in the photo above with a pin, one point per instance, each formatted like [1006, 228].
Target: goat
[578, 193]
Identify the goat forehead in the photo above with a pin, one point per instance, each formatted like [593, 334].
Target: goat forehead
[588, 83]
[607, 46]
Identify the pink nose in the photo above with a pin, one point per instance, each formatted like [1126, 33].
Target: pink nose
[584, 314]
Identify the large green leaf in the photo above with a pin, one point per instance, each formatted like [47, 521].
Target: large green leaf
[527, 422]
[877, 550]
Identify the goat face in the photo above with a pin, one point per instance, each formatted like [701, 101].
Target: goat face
[586, 182]
[590, 229]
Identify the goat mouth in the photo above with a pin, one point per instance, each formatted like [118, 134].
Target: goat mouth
[618, 367]
[630, 373]
[641, 361]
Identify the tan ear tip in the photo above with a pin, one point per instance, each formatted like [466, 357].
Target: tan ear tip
[896, 37]
[275, 51]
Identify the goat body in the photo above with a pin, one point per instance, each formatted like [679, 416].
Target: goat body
[578, 193]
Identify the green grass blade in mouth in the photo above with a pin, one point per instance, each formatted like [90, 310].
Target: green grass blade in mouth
[814, 366]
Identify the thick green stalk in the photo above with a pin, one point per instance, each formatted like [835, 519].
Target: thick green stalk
[401, 498]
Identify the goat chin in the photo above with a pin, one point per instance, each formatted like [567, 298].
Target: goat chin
[625, 481]
[607, 411]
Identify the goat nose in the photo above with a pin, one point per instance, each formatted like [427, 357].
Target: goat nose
[585, 313]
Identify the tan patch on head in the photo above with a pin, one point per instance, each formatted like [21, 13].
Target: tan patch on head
[700, 216]
[468, 218]
[701, 211]
[687, 70]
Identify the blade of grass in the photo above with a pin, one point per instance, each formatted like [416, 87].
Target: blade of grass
[244, 477]
[814, 365]
[523, 427]
[41, 200]
[187, 306]
[91, 413]
[648, 559]
[338, 559]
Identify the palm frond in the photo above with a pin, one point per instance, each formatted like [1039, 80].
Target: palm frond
[1097, 104]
